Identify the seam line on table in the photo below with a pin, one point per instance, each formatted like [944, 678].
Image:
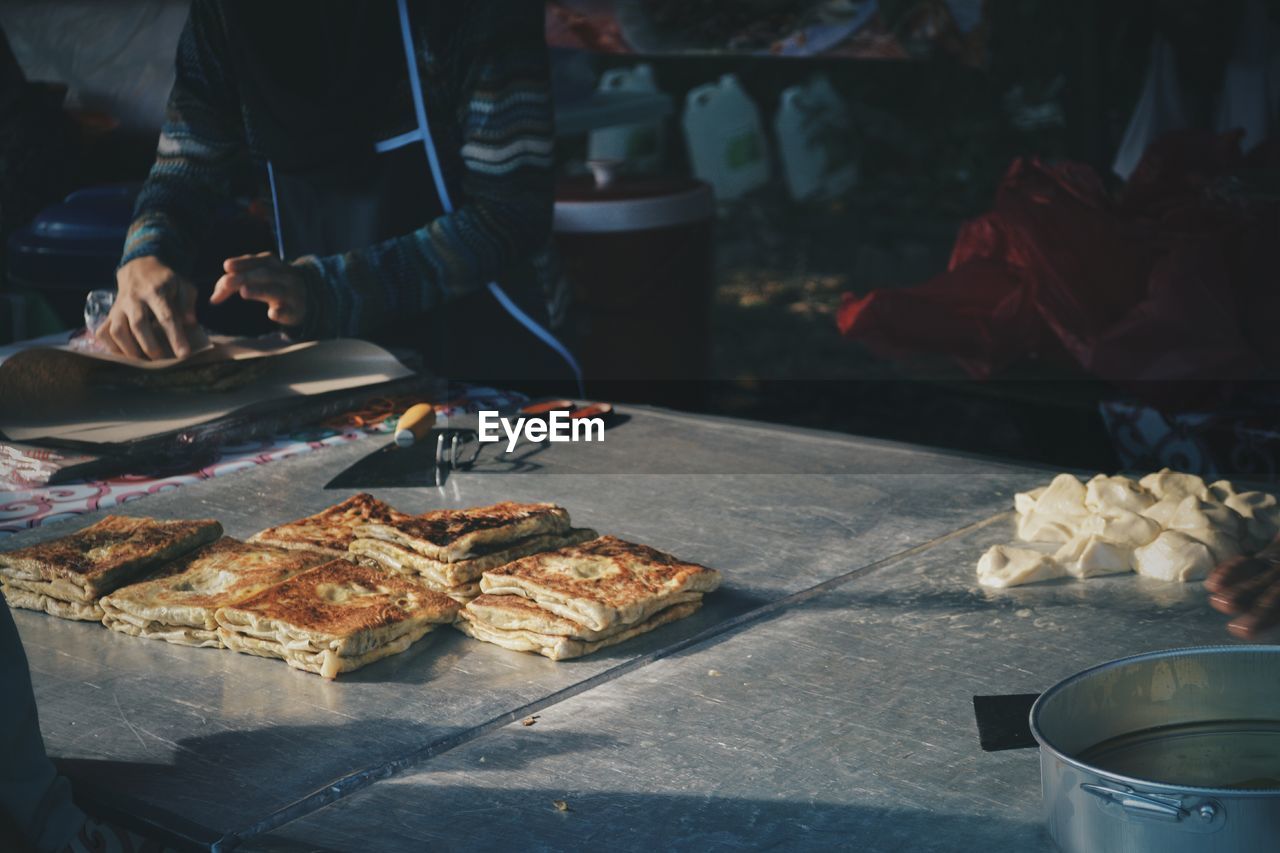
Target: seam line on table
[357, 781]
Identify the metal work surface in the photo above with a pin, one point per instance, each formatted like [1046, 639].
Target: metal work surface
[842, 721]
[212, 745]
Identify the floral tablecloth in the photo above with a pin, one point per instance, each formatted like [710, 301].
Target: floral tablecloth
[23, 509]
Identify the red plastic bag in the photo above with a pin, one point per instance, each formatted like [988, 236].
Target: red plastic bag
[1158, 286]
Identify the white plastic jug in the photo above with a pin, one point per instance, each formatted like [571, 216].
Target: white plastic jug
[640, 146]
[815, 140]
[727, 145]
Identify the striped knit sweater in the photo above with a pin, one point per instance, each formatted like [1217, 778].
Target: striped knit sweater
[487, 96]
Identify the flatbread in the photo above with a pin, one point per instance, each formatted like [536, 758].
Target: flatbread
[603, 583]
[30, 600]
[335, 617]
[454, 535]
[102, 557]
[559, 647]
[441, 575]
[517, 613]
[330, 531]
[464, 592]
[178, 606]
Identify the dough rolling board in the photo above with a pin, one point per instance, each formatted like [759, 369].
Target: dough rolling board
[820, 698]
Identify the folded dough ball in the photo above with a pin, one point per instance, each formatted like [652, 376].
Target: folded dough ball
[1103, 493]
[1025, 502]
[1221, 490]
[1220, 545]
[1088, 556]
[1057, 512]
[1194, 514]
[1167, 483]
[1063, 500]
[1174, 556]
[1261, 514]
[1123, 526]
[1034, 527]
[1005, 565]
[1162, 511]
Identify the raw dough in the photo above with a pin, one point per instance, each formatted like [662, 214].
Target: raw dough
[1174, 556]
[1221, 546]
[1035, 527]
[1104, 493]
[1163, 510]
[1121, 526]
[1261, 514]
[1195, 514]
[1168, 525]
[1004, 566]
[1167, 483]
[1063, 500]
[1025, 502]
[1088, 556]
[1221, 490]
[1057, 513]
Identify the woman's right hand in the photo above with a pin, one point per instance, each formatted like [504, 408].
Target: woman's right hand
[1248, 588]
[154, 315]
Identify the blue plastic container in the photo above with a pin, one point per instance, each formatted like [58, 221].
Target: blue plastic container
[73, 247]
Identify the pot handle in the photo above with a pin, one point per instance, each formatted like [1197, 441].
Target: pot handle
[1208, 813]
[1144, 805]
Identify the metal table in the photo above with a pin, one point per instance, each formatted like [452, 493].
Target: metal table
[839, 720]
[848, 638]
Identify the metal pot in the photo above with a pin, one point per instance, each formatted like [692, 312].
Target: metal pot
[1170, 751]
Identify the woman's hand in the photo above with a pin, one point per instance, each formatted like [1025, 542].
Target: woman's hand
[265, 278]
[154, 315]
[1248, 588]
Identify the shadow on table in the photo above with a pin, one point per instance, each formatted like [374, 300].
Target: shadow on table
[1158, 597]
[240, 771]
[393, 819]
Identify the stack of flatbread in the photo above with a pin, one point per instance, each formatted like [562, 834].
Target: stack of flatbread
[178, 604]
[329, 531]
[334, 618]
[66, 577]
[449, 549]
[573, 601]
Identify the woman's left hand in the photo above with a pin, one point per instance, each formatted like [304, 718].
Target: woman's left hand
[265, 278]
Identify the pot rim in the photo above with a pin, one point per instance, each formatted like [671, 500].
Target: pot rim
[1146, 785]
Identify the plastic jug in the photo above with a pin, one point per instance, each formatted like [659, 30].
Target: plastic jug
[727, 145]
[640, 146]
[815, 141]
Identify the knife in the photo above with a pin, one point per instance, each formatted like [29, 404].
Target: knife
[404, 461]
[430, 449]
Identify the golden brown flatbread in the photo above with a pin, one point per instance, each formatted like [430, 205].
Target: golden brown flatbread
[443, 576]
[601, 584]
[559, 646]
[330, 531]
[454, 535]
[179, 604]
[29, 599]
[80, 568]
[335, 617]
[517, 613]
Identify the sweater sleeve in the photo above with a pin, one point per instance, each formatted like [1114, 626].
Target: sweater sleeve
[201, 137]
[503, 213]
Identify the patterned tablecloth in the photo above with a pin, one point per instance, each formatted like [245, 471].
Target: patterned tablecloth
[27, 508]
